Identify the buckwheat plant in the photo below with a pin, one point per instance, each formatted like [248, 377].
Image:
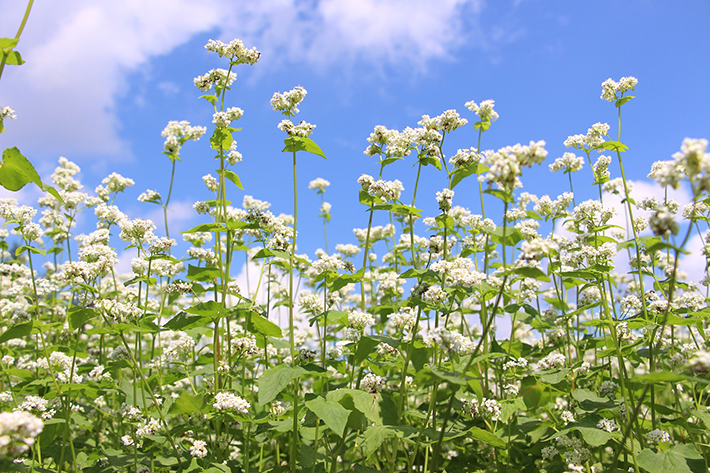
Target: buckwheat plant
[388, 354]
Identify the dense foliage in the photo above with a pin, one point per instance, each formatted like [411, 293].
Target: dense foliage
[350, 361]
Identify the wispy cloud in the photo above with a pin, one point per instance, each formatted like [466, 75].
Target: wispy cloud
[80, 55]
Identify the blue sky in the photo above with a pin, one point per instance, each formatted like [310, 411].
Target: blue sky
[102, 79]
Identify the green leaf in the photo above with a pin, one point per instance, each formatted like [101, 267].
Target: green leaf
[677, 459]
[365, 346]
[659, 377]
[463, 172]
[210, 98]
[13, 58]
[398, 208]
[483, 125]
[512, 236]
[378, 409]
[207, 308]
[184, 321]
[553, 376]
[429, 376]
[623, 100]
[221, 139]
[334, 415]
[187, 404]
[613, 146]
[258, 324]
[274, 380]
[374, 436]
[195, 273]
[296, 143]
[30, 249]
[16, 331]
[594, 436]
[16, 171]
[207, 227]
[531, 272]
[79, 316]
[486, 437]
[590, 402]
[233, 177]
[8, 42]
[662, 245]
[502, 195]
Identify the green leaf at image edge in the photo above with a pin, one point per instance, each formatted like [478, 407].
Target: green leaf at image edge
[296, 143]
[677, 459]
[16, 171]
[16, 331]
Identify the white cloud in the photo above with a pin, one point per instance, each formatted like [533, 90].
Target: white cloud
[65, 93]
[80, 53]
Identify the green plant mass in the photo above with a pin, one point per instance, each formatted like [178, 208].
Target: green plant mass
[542, 334]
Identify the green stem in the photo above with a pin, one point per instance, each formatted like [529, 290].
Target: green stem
[17, 36]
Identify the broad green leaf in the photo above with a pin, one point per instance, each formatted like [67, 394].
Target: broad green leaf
[79, 316]
[334, 415]
[512, 236]
[613, 146]
[187, 404]
[594, 436]
[662, 245]
[374, 436]
[206, 227]
[8, 42]
[258, 324]
[531, 272]
[184, 321]
[296, 143]
[659, 377]
[590, 402]
[16, 171]
[677, 459]
[429, 376]
[623, 100]
[195, 273]
[553, 376]
[365, 346]
[16, 331]
[483, 125]
[502, 195]
[398, 208]
[207, 308]
[30, 249]
[233, 177]
[210, 98]
[379, 409]
[221, 139]
[463, 172]
[486, 437]
[274, 380]
[13, 58]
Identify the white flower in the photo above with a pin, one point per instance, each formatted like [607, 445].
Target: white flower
[484, 110]
[608, 425]
[216, 77]
[235, 51]
[226, 401]
[18, 431]
[287, 102]
[658, 436]
[198, 449]
[318, 184]
[372, 383]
